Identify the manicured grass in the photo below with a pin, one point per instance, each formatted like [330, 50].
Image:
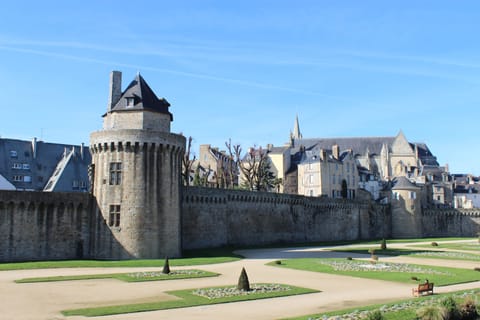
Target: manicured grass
[440, 276]
[352, 242]
[187, 299]
[191, 258]
[398, 310]
[468, 246]
[128, 277]
[415, 253]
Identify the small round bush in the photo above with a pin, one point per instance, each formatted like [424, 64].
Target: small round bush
[349, 258]
[468, 309]
[278, 262]
[451, 308]
[431, 313]
[434, 244]
[375, 315]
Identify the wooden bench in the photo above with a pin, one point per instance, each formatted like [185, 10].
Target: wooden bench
[424, 288]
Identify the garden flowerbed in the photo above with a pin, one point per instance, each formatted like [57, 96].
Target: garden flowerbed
[215, 293]
[360, 265]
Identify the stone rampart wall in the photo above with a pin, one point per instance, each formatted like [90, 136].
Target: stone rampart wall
[450, 222]
[43, 225]
[216, 217]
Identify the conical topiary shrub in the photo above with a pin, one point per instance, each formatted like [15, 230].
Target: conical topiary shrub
[243, 283]
[383, 245]
[166, 267]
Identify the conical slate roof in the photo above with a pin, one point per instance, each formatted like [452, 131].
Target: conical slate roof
[139, 96]
[402, 183]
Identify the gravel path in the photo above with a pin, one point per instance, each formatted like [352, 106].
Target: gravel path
[45, 300]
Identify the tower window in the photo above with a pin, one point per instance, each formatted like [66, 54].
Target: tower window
[130, 101]
[115, 173]
[114, 217]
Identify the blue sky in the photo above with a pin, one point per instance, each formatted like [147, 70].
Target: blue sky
[244, 69]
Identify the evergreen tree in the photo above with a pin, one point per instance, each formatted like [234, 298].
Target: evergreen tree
[166, 267]
[243, 283]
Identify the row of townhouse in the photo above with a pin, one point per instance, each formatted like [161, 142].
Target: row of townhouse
[41, 166]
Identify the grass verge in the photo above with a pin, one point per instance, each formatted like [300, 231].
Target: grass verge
[187, 299]
[191, 258]
[398, 272]
[128, 277]
[467, 246]
[415, 253]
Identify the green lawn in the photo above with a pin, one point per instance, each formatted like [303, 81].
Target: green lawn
[397, 272]
[187, 299]
[398, 310]
[190, 258]
[415, 253]
[128, 277]
[468, 246]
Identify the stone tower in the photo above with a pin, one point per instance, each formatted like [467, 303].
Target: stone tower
[136, 176]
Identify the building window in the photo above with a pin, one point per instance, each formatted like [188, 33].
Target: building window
[311, 193]
[25, 166]
[75, 184]
[115, 173]
[114, 218]
[17, 178]
[83, 185]
[17, 166]
[13, 154]
[27, 179]
[310, 178]
[130, 101]
[412, 195]
[439, 198]
[396, 196]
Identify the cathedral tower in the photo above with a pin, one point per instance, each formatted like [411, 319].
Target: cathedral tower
[136, 176]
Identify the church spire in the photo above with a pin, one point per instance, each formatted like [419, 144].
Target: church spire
[296, 130]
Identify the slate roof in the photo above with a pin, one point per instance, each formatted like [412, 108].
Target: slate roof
[144, 98]
[402, 183]
[358, 145]
[5, 184]
[28, 165]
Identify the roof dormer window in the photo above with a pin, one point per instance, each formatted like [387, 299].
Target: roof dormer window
[130, 102]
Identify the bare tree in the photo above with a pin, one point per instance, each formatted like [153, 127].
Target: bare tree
[187, 163]
[231, 170]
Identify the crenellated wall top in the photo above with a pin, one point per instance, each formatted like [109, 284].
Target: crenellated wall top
[459, 212]
[18, 197]
[221, 196]
[135, 140]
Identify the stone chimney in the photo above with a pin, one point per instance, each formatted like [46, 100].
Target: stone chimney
[115, 89]
[336, 151]
[81, 150]
[323, 155]
[34, 148]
